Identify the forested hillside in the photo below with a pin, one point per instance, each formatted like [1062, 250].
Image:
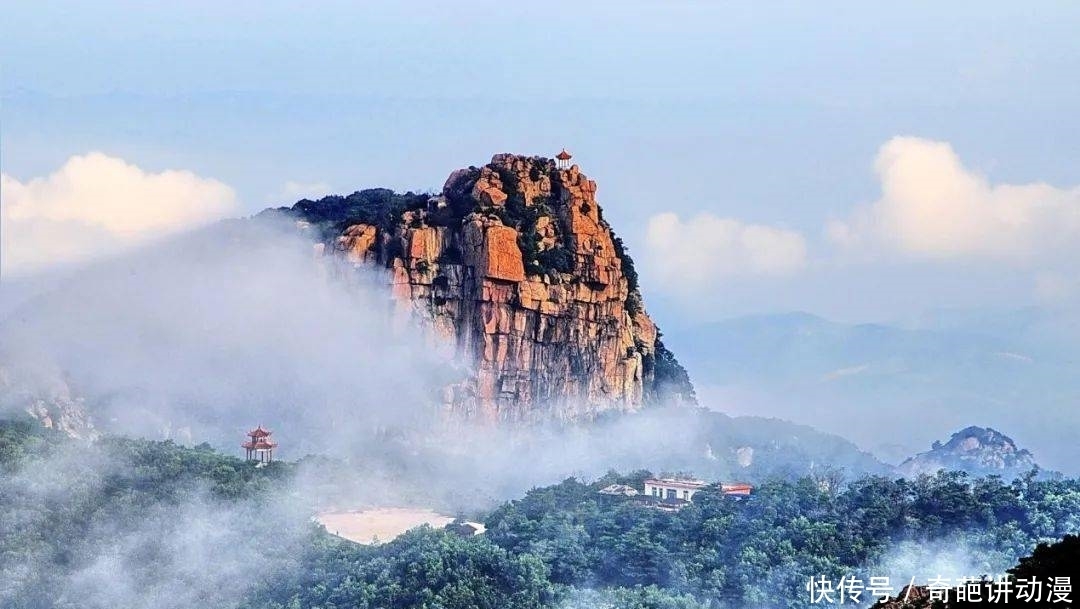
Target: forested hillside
[120, 521]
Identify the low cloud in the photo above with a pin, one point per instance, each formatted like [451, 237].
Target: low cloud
[706, 248]
[933, 207]
[96, 205]
[213, 331]
[293, 191]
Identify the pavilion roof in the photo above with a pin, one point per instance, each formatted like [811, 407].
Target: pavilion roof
[259, 432]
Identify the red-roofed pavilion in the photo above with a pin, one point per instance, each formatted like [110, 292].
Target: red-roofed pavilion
[259, 446]
[563, 159]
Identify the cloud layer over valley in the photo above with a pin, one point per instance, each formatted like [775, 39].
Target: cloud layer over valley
[206, 333]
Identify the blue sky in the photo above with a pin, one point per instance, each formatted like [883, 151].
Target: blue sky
[762, 116]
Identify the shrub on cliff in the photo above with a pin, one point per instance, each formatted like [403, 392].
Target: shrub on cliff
[671, 382]
[628, 269]
[557, 258]
[516, 214]
[380, 207]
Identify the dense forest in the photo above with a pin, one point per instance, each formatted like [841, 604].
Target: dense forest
[757, 550]
[105, 523]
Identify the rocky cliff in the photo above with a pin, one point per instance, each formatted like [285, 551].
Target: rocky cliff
[514, 264]
[47, 399]
[976, 450]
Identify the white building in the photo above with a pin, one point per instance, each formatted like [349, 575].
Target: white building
[673, 489]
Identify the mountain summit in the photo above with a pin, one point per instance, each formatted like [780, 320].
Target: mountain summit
[515, 264]
[976, 450]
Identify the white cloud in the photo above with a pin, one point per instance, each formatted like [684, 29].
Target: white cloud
[96, 205]
[706, 248]
[293, 191]
[933, 207]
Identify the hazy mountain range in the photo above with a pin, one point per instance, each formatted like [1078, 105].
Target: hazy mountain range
[895, 388]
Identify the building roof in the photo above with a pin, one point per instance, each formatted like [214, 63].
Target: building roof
[259, 445]
[564, 155]
[619, 489]
[259, 432]
[677, 483]
[466, 528]
[736, 488]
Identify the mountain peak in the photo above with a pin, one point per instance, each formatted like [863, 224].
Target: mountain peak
[514, 263]
[976, 450]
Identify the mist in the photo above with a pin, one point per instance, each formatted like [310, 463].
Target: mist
[197, 339]
[205, 336]
[184, 548]
[949, 559]
[201, 337]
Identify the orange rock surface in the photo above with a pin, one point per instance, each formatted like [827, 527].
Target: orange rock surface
[543, 344]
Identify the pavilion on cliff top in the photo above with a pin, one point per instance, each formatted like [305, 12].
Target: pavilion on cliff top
[563, 159]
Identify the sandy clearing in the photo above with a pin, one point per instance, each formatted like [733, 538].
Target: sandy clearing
[382, 524]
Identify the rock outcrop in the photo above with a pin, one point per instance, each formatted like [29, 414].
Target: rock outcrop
[515, 265]
[49, 400]
[976, 450]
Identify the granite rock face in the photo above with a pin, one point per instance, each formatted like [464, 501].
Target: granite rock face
[977, 450]
[514, 264]
[49, 400]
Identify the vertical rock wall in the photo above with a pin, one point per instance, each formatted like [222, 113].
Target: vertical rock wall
[515, 265]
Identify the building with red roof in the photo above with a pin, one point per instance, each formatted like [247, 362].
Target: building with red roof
[563, 159]
[259, 446]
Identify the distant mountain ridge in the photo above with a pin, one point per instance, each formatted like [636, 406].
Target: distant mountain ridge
[894, 388]
[976, 450]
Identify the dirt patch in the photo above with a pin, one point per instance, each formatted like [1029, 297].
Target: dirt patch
[379, 525]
